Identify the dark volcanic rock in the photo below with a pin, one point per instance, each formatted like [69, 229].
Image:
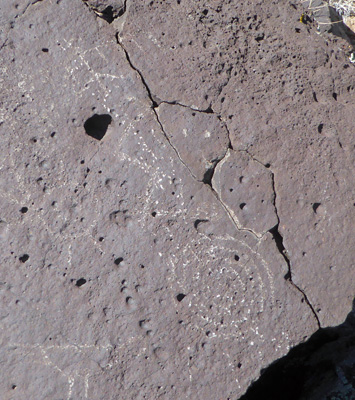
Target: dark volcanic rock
[200, 139]
[320, 369]
[246, 188]
[107, 10]
[127, 270]
[288, 99]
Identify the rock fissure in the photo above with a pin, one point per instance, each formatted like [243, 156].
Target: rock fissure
[150, 95]
[27, 7]
[154, 105]
[173, 103]
[207, 182]
[279, 242]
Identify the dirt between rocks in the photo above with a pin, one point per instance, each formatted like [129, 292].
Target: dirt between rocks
[177, 203]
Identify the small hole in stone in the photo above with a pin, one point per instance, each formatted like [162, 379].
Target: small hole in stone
[52, 134]
[239, 365]
[13, 387]
[24, 210]
[101, 239]
[242, 205]
[24, 258]
[107, 14]
[315, 206]
[80, 282]
[118, 260]
[231, 190]
[335, 96]
[320, 128]
[45, 50]
[180, 296]
[97, 125]
[154, 214]
[142, 266]
[236, 257]
[193, 114]
[267, 165]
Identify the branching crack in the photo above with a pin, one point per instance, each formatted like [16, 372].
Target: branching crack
[151, 97]
[154, 105]
[208, 178]
[209, 111]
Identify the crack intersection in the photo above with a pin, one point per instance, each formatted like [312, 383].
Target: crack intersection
[207, 182]
[278, 238]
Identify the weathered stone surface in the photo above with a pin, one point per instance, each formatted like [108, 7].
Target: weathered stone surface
[200, 139]
[124, 276]
[288, 101]
[186, 59]
[107, 10]
[246, 188]
[321, 368]
[305, 133]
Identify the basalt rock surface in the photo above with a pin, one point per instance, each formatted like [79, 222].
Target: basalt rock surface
[177, 197]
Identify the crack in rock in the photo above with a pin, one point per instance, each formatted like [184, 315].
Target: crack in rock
[278, 238]
[279, 242]
[273, 231]
[208, 110]
[154, 106]
[32, 3]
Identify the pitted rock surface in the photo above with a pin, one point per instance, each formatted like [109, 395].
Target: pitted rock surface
[200, 139]
[125, 272]
[246, 188]
[288, 100]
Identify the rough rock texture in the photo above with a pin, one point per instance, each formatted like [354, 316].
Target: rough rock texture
[107, 10]
[288, 100]
[246, 188]
[322, 368]
[200, 139]
[126, 271]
